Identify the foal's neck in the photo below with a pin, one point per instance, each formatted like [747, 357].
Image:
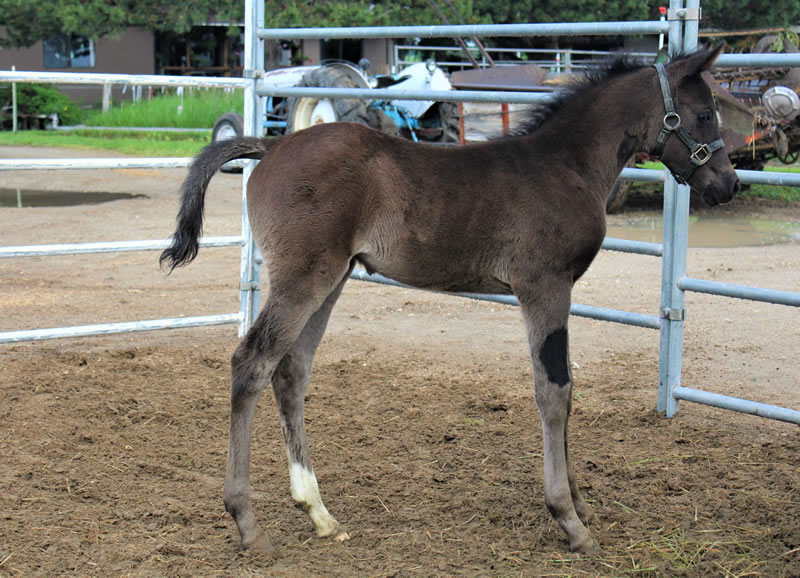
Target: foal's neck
[600, 128]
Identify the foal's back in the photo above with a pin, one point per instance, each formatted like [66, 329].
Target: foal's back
[447, 218]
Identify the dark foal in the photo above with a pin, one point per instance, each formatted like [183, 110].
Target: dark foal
[523, 214]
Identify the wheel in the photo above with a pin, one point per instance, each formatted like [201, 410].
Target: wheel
[448, 118]
[444, 116]
[229, 125]
[619, 192]
[306, 111]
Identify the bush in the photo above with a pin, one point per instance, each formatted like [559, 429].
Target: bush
[36, 99]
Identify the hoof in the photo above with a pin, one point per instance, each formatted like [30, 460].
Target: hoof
[586, 546]
[585, 514]
[334, 531]
[257, 542]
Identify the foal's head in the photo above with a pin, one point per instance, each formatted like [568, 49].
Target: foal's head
[689, 143]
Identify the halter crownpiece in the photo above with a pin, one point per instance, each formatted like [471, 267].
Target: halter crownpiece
[701, 153]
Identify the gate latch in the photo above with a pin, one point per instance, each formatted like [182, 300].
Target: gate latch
[673, 314]
[685, 14]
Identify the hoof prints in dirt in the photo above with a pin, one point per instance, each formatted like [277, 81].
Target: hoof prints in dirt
[113, 463]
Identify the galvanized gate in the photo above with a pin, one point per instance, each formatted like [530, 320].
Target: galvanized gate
[682, 26]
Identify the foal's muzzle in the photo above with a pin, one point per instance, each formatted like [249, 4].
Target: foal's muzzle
[722, 190]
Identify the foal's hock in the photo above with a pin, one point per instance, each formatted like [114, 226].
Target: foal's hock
[524, 214]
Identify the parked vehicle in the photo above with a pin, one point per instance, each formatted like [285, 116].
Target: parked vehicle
[416, 120]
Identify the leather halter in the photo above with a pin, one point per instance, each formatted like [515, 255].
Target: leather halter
[700, 153]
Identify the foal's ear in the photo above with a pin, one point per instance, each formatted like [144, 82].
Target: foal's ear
[696, 62]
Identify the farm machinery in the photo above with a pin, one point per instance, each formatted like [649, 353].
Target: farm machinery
[758, 112]
[417, 120]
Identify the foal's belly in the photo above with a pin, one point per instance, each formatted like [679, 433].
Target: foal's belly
[442, 276]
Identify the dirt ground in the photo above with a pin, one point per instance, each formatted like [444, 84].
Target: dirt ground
[423, 430]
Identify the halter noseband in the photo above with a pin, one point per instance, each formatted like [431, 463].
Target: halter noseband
[701, 153]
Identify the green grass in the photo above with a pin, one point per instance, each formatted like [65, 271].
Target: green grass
[146, 144]
[198, 108]
[771, 192]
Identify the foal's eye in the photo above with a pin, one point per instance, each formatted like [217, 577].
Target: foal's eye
[704, 116]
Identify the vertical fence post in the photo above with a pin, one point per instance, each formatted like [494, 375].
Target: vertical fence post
[692, 29]
[14, 104]
[683, 36]
[106, 97]
[250, 270]
[504, 118]
[673, 267]
[675, 28]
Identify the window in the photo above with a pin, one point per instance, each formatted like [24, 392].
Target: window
[64, 51]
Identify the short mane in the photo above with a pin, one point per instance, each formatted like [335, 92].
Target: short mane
[617, 64]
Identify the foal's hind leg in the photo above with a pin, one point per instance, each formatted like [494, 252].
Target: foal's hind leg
[545, 309]
[289, 384]
[279, 325]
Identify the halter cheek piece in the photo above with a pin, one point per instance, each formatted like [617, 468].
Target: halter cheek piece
[701, 153]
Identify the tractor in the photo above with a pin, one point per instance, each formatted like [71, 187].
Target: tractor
[417, 120]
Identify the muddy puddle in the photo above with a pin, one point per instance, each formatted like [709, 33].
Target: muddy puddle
[35, 198]
[712, 231]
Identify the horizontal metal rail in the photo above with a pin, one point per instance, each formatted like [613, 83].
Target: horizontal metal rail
[109, 247]
[740, 291]
[737, 404]
[86, 127]
[264, 89]
[599, 313]
[637, 247]
[103, 163]
[123, 327]
[768, 178]
[468, 30]
[767, 59]
[120, 79]
[644, 175]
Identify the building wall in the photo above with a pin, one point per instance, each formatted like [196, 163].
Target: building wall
[380, 52]
[132, 52]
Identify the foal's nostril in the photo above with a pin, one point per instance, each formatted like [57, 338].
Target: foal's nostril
[736, 187]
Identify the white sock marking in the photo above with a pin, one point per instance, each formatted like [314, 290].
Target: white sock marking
[305, 491]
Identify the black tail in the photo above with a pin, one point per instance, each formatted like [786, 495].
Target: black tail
[190, 217]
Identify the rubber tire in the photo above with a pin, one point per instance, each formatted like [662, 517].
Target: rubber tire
[346, 109]
[619, 192]
[448, 117]
[228, 122]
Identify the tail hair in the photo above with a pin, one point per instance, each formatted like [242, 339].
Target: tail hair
[185, 241]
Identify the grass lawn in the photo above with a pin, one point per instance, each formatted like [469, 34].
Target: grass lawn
[145, 144]
[197, 108]
[772, 192]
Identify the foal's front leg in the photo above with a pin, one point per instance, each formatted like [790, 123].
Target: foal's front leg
[545, 315]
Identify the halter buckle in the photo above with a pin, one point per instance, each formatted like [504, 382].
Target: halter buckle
[700, 154]
[672, 117]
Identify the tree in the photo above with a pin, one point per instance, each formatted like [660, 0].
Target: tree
[744, 14]
[28, 21]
